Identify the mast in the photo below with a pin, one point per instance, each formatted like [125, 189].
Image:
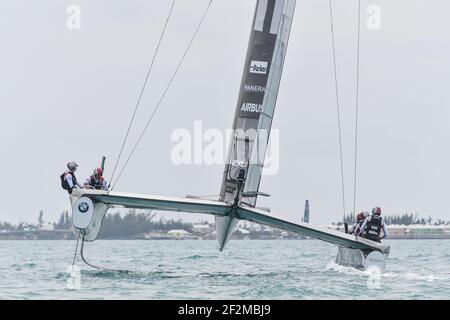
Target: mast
[257, 98]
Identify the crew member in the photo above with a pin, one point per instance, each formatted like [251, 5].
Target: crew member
[359, 221]
[96, 181]
[373, 225]
[68, 179]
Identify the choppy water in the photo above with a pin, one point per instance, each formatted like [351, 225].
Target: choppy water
[294, 269]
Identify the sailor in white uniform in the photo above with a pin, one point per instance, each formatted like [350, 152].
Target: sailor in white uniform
[68, 179]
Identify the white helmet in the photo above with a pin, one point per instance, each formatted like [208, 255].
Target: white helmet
[72, 166]
[365, 214]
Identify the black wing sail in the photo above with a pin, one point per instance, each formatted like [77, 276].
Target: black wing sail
[257, 97]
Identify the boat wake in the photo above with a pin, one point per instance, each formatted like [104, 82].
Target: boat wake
[333, 266]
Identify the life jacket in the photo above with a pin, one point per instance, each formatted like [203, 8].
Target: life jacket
[96, 184]
[373, 228]
[64, 184]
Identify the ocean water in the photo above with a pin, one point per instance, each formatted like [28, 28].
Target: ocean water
[246, 269]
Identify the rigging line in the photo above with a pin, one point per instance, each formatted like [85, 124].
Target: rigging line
[164, 93]
[142, 90]
[357, 107]
[338, 111]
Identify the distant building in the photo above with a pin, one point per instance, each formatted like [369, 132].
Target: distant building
[284, 235]
[243, 231]
[48, 226]
[201, 228]
[251, 226]
[181, 234]
[419, 232]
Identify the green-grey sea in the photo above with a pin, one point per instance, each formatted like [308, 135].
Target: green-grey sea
[246, 269]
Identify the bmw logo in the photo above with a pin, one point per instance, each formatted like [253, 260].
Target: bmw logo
[83, 207]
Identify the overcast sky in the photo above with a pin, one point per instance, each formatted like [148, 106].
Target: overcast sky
[69, 94]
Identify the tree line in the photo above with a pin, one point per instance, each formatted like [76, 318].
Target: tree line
[404, 219]
[114, 225]
[117, 225]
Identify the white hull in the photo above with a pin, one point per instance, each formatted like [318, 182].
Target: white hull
[362, 259]
[90, 207]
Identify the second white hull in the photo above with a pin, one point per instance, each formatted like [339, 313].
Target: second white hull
[363, 260]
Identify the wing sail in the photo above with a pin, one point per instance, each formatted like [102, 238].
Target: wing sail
[258, 94]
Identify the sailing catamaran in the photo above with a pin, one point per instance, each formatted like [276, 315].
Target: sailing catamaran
[241, 179]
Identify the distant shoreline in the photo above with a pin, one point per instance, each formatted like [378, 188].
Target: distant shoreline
[72, 238]
[395, 233]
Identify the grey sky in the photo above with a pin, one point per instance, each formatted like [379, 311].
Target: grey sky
[68, 95]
